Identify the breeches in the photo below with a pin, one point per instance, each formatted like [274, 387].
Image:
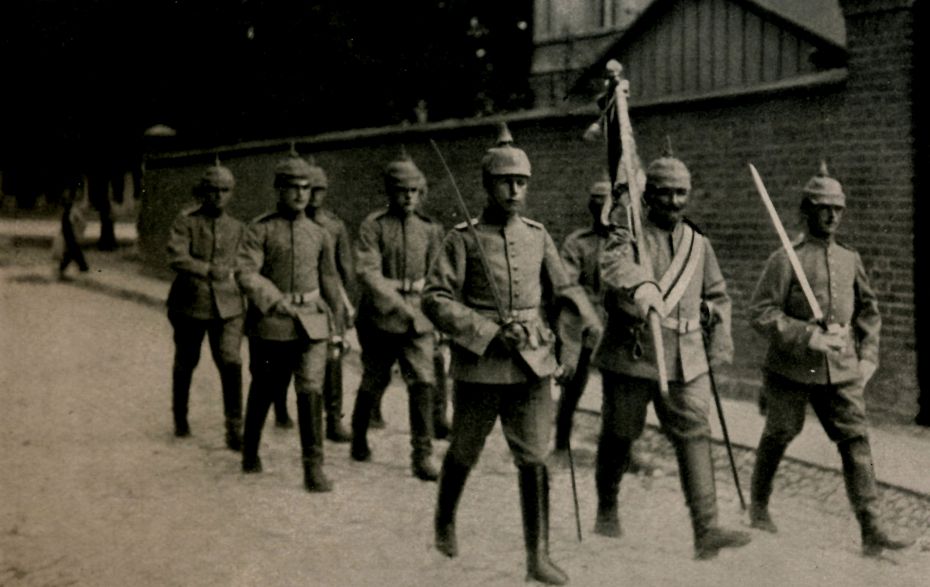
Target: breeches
[225, 338]
[626, 398]
[525, 410]
[272, 362]
[380, 350]
[840, 409]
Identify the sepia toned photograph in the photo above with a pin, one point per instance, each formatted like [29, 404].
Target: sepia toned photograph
[463, 292]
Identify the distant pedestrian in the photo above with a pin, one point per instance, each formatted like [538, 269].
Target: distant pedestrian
[67, 245]
[396, 246]
[332, 384]
[287, 269]
[205, 299]
[825, 365]
[684, 276]
[493, 291]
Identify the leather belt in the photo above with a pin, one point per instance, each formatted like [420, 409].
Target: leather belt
[682, 326]
[304, 298]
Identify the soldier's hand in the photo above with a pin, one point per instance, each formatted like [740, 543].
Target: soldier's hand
[648, 297]
[513, 336]
[564, 374]
[866, 370]
[284, 307]
[827, 341]
[219, 273]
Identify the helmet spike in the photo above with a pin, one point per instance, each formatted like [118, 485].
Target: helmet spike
[823, 172]
[503, 135]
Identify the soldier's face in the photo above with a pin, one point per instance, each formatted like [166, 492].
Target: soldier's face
[317, 197]
[596, 204]
[295, 194]
[666, 204]
[508, 192]
[405, 198]
[823, 220]
[216, 197]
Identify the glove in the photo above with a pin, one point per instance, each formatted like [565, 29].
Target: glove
[831, 340]
[648, 297]
[866, 370]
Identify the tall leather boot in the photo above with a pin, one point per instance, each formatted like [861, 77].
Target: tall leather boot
[419, 404]
[231, 380]
[180, 394]
[361, 418]
[332, 394]
[281, 418]
[863, 495]
[451, 484]
[534, 499]
[568, 403]
[768, 456]
[441, 426]
[310, 425]
[256, 410]
[376, 420]
[696, 469]
[613, 455]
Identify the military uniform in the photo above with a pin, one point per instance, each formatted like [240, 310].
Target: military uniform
[332, 382]
[205, 300]
[395, 248]
[798, 373]
[686, 273]
[492, 379]
[286, 259]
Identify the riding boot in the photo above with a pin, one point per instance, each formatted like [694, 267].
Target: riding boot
[376, 420]
[451, 484]
[534, 499]
[332, 394]
[419, 403]
[568, 403]
[180, 394]
[310, 425]
[441, 426]
[768, 456]
[361, 418]
[256, 410]
[863, 495]
[696, 470]
[281, 418]
[231, 381]
[613, 454]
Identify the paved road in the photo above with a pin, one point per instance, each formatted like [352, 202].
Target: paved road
[96, 491]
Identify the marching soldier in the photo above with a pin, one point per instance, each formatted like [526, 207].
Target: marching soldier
[684, 275]
[332, 383]
[205, 300]
[286, 268]
[395, 247]
[487, 292]
[827, 365]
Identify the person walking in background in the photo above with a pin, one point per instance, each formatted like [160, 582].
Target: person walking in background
[205, 300]
[395, 248]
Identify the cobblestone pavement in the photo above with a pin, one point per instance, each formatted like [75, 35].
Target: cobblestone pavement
[96, 491]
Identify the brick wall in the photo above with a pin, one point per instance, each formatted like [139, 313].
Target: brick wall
[860, 126]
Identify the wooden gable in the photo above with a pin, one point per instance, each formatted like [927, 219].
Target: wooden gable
[697, 47]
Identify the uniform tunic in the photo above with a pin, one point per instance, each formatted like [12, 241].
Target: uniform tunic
[198, 305]
[342, 246]
[394, 252]
[288, 256]
[580, 252]
[796, 374]
[626, 355]
[530, 278]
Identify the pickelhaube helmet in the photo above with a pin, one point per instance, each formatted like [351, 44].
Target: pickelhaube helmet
[668, 171]
[291, 167]
[317, 175]
[599, 188]
[505, 159]
[402, 172]
[823, 189]
[217, 176]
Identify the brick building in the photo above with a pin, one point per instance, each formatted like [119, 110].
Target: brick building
[731, 82]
